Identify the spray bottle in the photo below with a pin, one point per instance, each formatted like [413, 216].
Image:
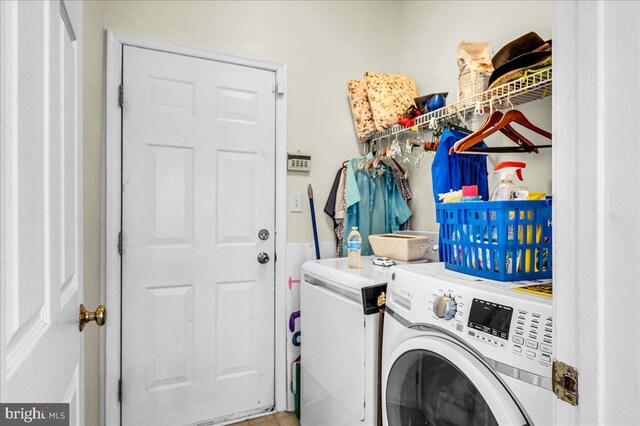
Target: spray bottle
[506, 190]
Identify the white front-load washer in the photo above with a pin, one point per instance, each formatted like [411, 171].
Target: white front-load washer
[459, 350]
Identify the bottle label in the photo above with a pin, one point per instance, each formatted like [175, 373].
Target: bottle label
[353, 245]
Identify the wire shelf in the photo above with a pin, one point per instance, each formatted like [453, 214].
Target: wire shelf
[530, 87]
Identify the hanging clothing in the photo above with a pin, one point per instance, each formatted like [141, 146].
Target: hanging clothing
[340, 236]
[340, 211]
[373, 204]
[398, 210]
[451, 172]
[340, 205]
[405, 190]
[335, 207]
[330, 205]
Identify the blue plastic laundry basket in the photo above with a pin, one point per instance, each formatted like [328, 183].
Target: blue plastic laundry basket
[498, 240]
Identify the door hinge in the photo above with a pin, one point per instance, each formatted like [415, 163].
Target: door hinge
[278, 88]
[120, 96]
[565, 382]
[120, 243]
[120, 390]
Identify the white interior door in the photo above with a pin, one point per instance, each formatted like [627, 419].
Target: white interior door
[41, 203]
[198, 186]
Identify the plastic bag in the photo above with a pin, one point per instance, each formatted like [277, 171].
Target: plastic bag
[474, 68]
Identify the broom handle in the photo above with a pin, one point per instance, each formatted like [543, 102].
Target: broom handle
[313, 221]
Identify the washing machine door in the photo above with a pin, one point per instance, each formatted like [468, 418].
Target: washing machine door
[435, 380]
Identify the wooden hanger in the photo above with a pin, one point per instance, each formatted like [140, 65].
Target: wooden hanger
[430, 146]
[501, 122]
[518, 117]
[492, 120]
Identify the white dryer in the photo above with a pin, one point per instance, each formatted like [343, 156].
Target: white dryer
[339, 336]
[460, 350]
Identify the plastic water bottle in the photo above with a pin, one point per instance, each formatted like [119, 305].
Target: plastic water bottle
[354, 243]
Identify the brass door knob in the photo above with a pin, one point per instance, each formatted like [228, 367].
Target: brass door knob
[99, 316]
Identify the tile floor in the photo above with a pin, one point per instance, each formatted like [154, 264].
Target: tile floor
[278, 419]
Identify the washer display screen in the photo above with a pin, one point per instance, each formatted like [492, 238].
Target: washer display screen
[491, 318]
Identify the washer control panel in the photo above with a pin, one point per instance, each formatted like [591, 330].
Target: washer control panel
[445, 307]
[448, 305]
[533, 336]
[490, 322]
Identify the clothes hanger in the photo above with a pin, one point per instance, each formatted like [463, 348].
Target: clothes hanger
[399, 167]
[508, 131]
[512, 116]
[458, 128]
[386, 159]
[490, 126]
[511, 133]
[518, 117]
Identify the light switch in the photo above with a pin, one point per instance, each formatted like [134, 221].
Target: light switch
[296, 202]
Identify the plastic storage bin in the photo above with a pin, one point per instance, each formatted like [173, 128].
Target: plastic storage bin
[405, 248]
[498, 240]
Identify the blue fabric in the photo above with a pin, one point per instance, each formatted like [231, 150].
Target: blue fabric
[452, 172]
[374, 204]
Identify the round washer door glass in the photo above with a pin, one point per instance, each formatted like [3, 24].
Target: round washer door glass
[423, 388]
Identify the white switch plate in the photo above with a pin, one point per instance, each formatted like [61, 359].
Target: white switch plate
[296, 202]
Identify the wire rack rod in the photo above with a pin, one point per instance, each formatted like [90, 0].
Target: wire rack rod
[530, 87]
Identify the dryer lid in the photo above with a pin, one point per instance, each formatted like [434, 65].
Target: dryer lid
[338, 271]
[435, 381]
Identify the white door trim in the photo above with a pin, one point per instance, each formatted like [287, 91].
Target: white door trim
[111, 210]
[596, 234]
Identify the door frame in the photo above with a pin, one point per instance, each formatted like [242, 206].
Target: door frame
[110, 359]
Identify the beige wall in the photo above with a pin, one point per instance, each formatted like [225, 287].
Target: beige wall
[324, 44]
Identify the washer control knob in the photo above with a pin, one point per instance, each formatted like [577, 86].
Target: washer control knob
[445, 307]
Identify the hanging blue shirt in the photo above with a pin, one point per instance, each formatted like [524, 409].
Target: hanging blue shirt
[451, 172]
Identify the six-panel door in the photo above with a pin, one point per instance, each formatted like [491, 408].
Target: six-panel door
[198, 186]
